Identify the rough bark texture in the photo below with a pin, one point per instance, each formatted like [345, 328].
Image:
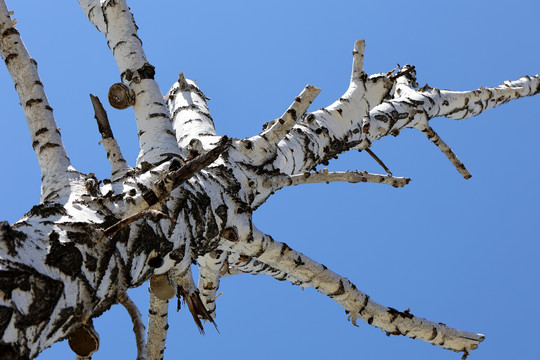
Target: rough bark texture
[191, 197]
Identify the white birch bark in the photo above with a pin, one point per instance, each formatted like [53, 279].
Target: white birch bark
[192, 196]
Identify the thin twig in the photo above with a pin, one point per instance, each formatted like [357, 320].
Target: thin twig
[379, 161]
[406, 69]
[324, 176]
[436, 139]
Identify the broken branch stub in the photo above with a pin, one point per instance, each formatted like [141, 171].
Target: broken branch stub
[121, 96]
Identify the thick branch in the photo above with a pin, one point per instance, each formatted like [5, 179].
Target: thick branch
[156, 136]
[411, 108]
[45, 135]
[190, 117]
[280, 256]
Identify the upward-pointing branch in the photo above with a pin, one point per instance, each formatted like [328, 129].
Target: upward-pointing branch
[115, 21]
[46, 140]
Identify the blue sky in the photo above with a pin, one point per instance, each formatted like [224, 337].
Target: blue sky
[462, 252]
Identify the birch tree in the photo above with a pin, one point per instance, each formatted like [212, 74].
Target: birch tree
[188, 200]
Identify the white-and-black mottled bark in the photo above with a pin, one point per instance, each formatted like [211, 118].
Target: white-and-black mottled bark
[192, 196]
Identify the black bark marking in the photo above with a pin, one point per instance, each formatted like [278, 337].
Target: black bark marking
[285, 249]
[155, 262]
[45, 294]
[147, 71]
[364, 305]
[64, 256]
[10, 31]
[90, 262]
[154, 115]
[31, 102]
[10, 57]
[61, 319]
[11, 238]
[46, 210]
[7, 352]
[433, 334]
[47, 146]
[339, 291]
[41, 131]
[403, 314]
[147, 240]
[221, 212]
[212, 229]
[80, 238]
[5, 318]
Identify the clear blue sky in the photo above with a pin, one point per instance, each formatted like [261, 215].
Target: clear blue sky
[460, 252]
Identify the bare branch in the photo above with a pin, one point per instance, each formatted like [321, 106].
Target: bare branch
[435, 139]
[138, 325]
[156, 136]
[358, 60]
[46, 140]
[359, 305]
[157, 327]
[323, 134]
[210, 266]
[379, 161]
[190, 116]
[324, 176]
[119, 167]
[280, 127]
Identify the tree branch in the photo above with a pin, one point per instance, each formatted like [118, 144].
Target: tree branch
[46, 140]
[157, 327]
[190, 117]
[210, 266]
[280, 256]
[277, 129]
[156, 136]
[324, 176]
[138, 326]
[119, 166]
